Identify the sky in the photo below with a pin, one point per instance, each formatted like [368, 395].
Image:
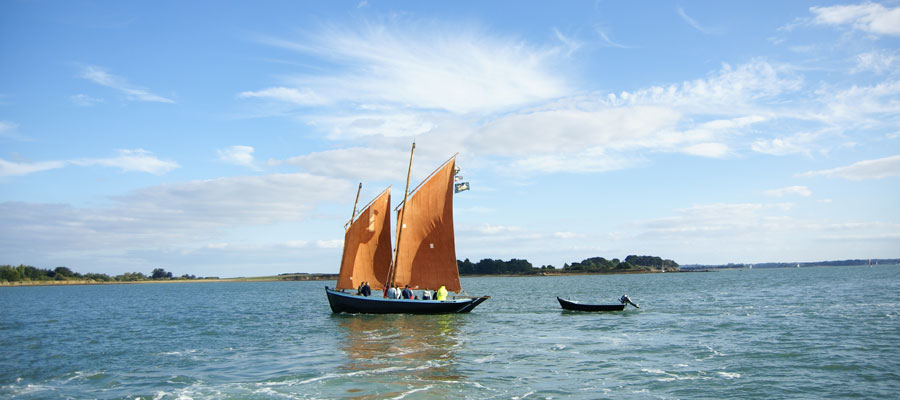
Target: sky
[228, 138]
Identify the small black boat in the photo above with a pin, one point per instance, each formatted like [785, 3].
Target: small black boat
[576, 306]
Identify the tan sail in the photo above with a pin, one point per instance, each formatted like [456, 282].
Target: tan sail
[426, 255]
[367, 246]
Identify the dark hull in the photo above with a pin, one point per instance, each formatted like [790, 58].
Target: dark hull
[573, 306]
[351, 303]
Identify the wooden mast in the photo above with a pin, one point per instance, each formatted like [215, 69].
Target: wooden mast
[355, 202]
[392, 270]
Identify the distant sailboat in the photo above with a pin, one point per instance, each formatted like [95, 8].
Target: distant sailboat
[424, 257]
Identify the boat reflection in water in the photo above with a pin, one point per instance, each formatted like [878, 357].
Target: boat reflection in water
[397, 354]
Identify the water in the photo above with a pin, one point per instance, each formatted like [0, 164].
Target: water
[762, 333]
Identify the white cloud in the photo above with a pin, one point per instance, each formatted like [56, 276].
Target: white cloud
[170, 216]
[862, 170]
[296, 243]
[694, 24]
[303, 97]
[717, 222]
[9, 168]
[408, 64]
[101, 77]
[732, 90]
[497, 229]
[544, 126]
[711, 150]
[83, 100]
[593, 133]
[131, 160]
[861, 102]
[867, 17]
[128, 160]
[571, 44]
[573, 130]
[580, 134]
[581, 162]
[9, 130]
[879, 61]
[330, 244]
[356, 163]
[6, 127]
[568, 235]
[609, 42]
[238, 155]
[799, 143]
[248, 199]
[864, 237]
[389, 123]
[511, 104]
[764, 232]
[790, 190]
[598, 133]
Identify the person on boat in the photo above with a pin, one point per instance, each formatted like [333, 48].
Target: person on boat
[407, 293]
[366, 289]
[393, 293]
[426, 294]
[441, 294]
[359, 289]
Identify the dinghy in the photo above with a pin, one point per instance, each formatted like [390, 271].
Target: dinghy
[577, 306]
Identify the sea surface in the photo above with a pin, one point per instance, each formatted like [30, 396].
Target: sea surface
[821, 332]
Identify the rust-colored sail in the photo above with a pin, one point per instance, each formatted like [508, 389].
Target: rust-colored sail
[426, 256]
[367, 246]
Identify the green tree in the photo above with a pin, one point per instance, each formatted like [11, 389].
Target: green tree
[64, 272]
[159, 273]
[97, 277]
[131, 277]
[10, 274]
[465, 267]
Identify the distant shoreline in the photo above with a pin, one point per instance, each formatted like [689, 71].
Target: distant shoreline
[332, 277]
[545, 274]
[277, 278]
[308, 277]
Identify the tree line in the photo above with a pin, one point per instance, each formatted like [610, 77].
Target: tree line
[27, 273]
[487, 266]
[515, 266]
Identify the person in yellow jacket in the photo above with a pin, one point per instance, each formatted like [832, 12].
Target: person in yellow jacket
[441, 294]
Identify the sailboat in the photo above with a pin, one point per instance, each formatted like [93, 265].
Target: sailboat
[424, 257]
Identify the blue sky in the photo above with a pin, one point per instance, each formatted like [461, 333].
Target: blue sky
[228, 138]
